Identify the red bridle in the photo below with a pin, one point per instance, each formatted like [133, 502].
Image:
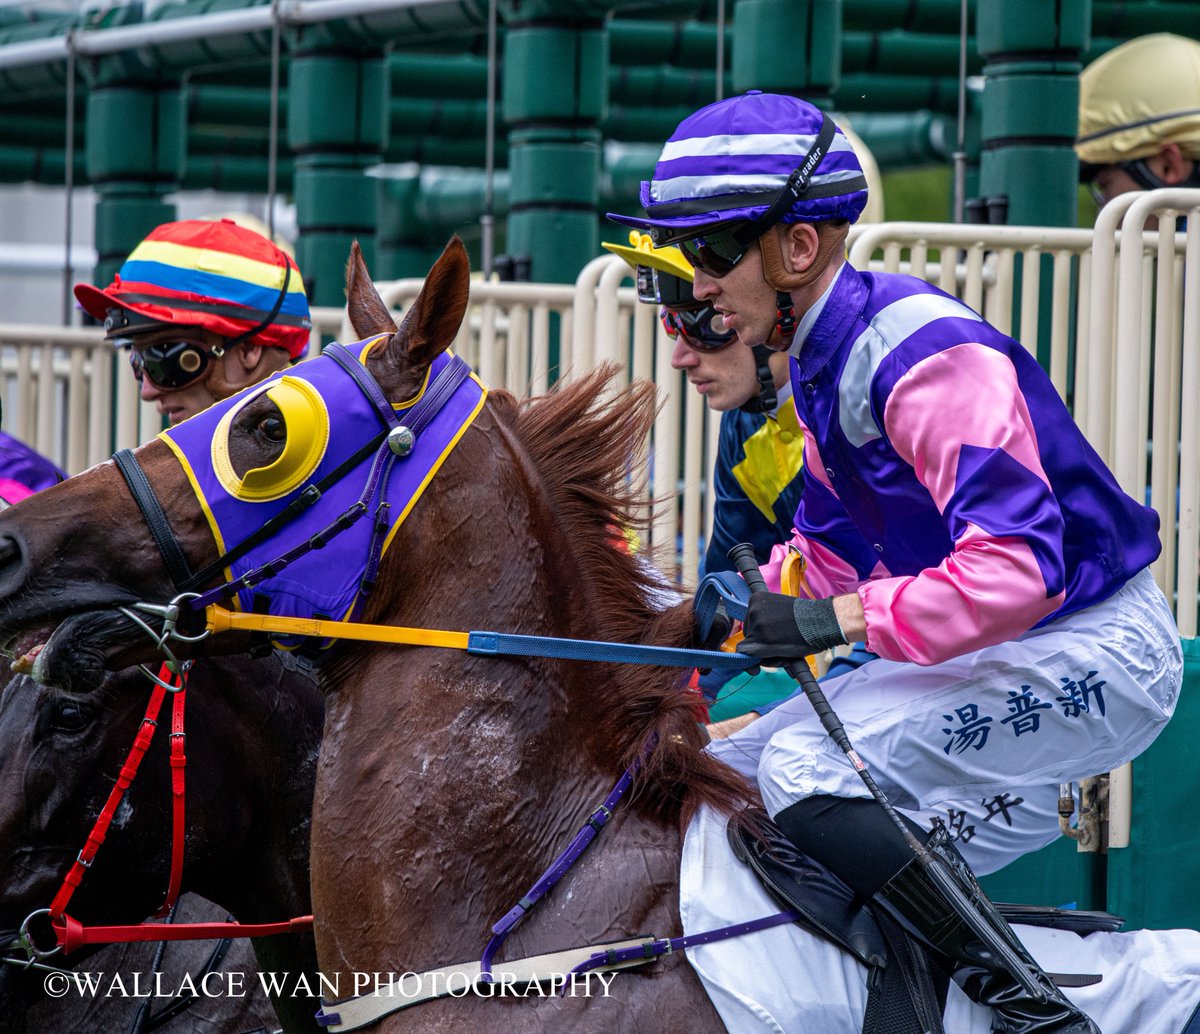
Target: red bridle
[70, 933]
[141, 743]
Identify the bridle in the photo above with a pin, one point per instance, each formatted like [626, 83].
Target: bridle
[56, 912]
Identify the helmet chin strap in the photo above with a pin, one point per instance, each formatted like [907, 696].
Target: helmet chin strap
[830, 238]
[766, 399]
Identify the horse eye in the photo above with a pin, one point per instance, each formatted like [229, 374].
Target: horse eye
[69, 716]
[272, 429]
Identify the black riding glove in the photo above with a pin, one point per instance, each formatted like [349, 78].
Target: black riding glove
[780, 628]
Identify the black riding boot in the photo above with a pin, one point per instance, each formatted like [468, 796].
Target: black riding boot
[912, 898]
[857, 841]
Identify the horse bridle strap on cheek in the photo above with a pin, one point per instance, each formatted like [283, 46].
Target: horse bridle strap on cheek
[87, 854]
[156, 519]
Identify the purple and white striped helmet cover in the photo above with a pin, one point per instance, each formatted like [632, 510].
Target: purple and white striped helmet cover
[747, 145]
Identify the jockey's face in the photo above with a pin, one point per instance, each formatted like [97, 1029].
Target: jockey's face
[726, 378]
[744, 298]
[239, 367]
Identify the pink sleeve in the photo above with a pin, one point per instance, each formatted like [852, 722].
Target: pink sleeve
[13, 491]
[827, 573]
[960, 419]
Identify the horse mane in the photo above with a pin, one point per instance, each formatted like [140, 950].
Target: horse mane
[586, 441]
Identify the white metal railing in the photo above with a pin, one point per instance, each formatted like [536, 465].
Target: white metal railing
[64, 393]
[986, 267]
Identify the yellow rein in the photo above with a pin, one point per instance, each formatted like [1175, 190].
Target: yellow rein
[221, 620]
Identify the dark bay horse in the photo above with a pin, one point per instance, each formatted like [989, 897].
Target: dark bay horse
[252, 734]
[25, 1007]
[447, 782]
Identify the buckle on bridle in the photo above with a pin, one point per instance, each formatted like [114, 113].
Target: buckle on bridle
[28, 945]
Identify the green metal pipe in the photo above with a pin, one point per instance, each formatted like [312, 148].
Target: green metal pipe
[337, 126]
[899, 141]
[438, 75]
[235, 173]
[1123, 20]
[894, 93]
[38, 131]
[34, 164]
[554, 93]
[814, 34]
[897, 52]
[1030, 107]
[442, 151]
[938, 16]
[686, 44]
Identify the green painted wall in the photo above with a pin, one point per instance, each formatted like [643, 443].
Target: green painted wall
[1155, 882]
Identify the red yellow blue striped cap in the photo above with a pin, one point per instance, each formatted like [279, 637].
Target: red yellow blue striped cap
[213, 274]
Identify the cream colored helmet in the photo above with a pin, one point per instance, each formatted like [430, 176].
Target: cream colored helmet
[1138, 97]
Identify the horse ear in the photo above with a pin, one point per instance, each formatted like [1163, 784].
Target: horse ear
[437, 312]
[368, 314]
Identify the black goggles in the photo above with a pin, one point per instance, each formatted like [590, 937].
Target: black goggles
[171, 364]
[719, 250]
[696, 328]
[1136, 169]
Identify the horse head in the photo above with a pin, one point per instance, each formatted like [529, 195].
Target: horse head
[74, 563]
[251, 731]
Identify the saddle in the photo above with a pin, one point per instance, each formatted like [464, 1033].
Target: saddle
[906, 982]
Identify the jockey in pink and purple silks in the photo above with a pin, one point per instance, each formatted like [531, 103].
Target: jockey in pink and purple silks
[23, 471]
[952, 515]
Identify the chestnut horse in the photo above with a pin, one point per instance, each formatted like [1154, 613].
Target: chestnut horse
[252, 734]
[448, 782]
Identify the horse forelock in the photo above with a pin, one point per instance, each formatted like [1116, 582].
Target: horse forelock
[587, 441]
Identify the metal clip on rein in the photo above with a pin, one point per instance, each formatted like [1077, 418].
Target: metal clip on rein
[170, 617]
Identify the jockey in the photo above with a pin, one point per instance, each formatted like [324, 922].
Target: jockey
[1139, 117]
[205, 308]
[952, 514]
[757, 475]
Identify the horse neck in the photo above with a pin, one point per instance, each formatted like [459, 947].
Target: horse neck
[441, 770]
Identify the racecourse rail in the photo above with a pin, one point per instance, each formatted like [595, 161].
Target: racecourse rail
[1114, 313]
